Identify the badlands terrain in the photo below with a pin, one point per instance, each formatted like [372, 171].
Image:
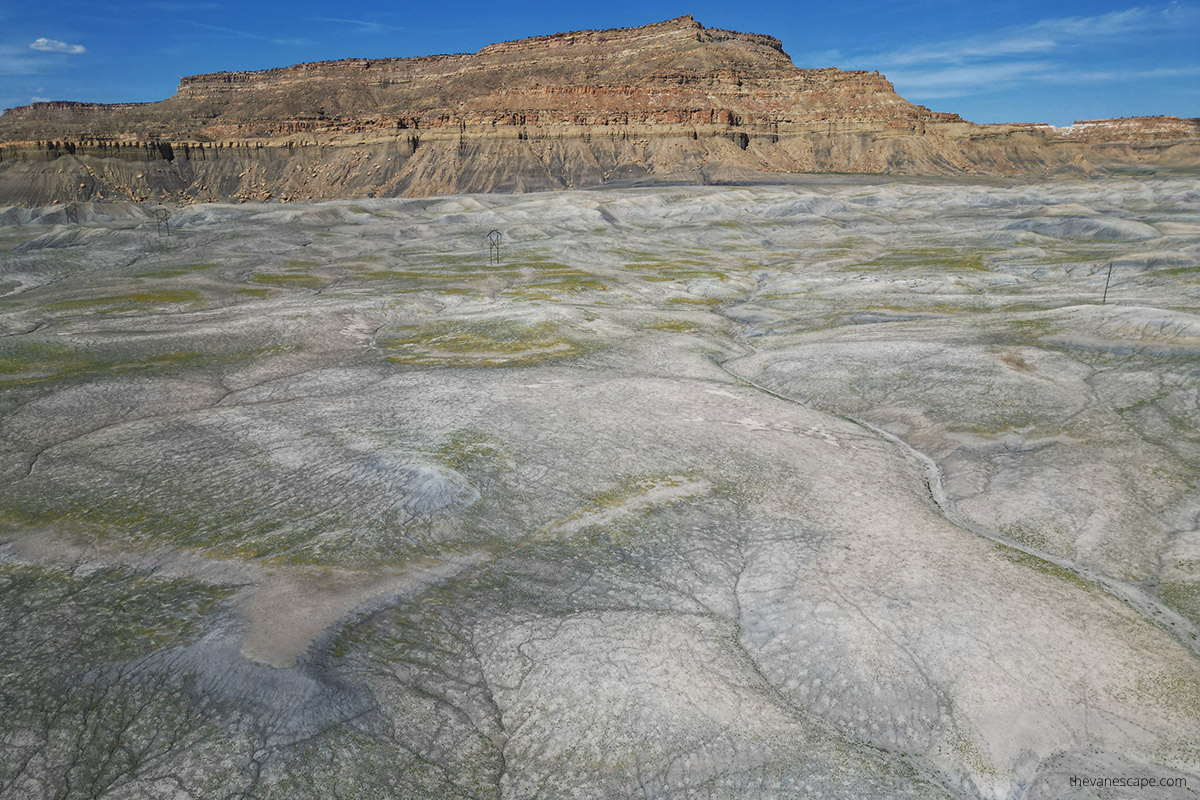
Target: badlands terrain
[850, 488]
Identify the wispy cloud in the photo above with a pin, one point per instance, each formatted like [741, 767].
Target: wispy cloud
[823, 58]
[963, 50]
[1124, 75]
[54, 46]
[1116, 23]
[960, 81]
[175, 6]
[360, 25]
[963, 81]
[1042, 36]
[375, 26]
[1042, 51]
[248, 35]
[19, 61]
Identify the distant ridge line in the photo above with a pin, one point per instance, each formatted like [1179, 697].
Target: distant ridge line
[671, 101]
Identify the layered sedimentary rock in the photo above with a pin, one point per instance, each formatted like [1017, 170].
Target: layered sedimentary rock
[673, 101]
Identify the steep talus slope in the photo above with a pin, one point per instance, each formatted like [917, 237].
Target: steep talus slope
[673, 101]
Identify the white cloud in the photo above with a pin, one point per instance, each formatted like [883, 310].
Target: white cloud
[55, 46]
[19, 61]
[960, 81]
[248, 34]
[361, 25]
[821, 58]
[1045, 51]
[1117, 76]
[1114, 23]
[1042, 36]
[374, 26]
[37, 99]
[970, 49]
[177, 6]
[940, 82]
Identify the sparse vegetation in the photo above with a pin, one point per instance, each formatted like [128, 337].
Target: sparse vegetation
[496, 343]
[133, 301]
[289, 280]
[347, 511]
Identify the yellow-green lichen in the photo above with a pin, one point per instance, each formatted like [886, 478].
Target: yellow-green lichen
[971, 755]
[172, 272]
[1043, 566]
[113, 304]
[1183, 596]
[674, 326]
[288, 280]
[492, 343]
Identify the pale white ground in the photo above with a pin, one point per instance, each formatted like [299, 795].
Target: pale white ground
[841, 490]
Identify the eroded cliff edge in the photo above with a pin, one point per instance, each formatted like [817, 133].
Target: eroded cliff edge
[674, 101]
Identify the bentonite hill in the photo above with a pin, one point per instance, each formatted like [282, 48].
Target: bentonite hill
[843, 490]
[669, 102]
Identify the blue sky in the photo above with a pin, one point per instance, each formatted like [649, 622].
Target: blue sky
[1006, 60]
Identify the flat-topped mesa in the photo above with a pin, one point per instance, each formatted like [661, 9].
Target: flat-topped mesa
[678, 33]
[721, 35]
[346, 67]
[678, 29]
[1144, 128]
[50, 109]
[673, 72]
[75, 105]
[669, 101]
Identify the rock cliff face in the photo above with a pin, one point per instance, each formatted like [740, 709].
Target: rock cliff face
[673, 101]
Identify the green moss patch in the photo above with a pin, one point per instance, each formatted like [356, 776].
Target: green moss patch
[674, 326]
[36, 362]
[1183, 596]
[464, 449]
[497, 343]
[173, 272]
[1043, 566]
[24, 362]
[128, 302]
[287, 280]
[571, 285]
[136, 611]
[930, 259]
